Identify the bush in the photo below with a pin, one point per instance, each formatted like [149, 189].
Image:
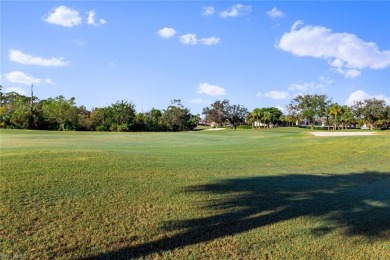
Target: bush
[244, 127]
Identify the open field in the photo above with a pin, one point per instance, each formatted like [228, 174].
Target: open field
[340, 133]
[247, 194]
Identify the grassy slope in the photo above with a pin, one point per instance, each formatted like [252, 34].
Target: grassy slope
[214, 194]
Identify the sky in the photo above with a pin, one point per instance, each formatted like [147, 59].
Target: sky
[254, 53]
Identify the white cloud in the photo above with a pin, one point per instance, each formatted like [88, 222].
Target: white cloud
[274, 94]
[360, 95]
[63, 16]
[22, 78]
[191, 39]
[166, 32]
[23, 58]
[91, 20]
[210, 40]
[210, 90]
[275, 13]
[208, 11]
[296, 24]
[305, 86]
[325, 80]
[18, 90]
[345, 52]
[322, 83]
[236, 10]
[351, 74]
[199, 101]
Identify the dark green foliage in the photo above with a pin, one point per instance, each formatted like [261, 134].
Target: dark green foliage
[178, 118]
[222, 112]
[19, 111]
[310, 107]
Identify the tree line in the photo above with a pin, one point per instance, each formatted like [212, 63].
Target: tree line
[59, 113]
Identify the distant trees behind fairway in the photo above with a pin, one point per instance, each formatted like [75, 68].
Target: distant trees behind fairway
[59, 113]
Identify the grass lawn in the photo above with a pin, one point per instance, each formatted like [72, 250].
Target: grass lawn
[245, 194]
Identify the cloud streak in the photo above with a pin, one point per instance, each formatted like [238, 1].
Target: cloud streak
[274, 94]
[28, 59]
[26, 79]
[192, 39]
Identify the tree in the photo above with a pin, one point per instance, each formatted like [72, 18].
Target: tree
[59, 110]
[84, 119]
[336, 111]
[310, 107]
[121, 115]
[178, 118]
[22, 114]
[347, 117]
[293, 112]
[235, 114]
[153, 120]
[99, 118]
[216, 112]
[370, 110]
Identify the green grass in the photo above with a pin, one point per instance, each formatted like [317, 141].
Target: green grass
[246, 194]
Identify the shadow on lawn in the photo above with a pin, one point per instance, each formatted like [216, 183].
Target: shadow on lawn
[356, 204]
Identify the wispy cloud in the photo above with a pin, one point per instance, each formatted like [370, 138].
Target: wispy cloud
[275, 13]
[166, 32]
[208, 11]
[322, 83]
[18, 90]
[211, 90]
[80, 42]
[63, 16]
[91, 20]
[28, 59]
[26, 79]
[192, 39]
[274, 94]
[346, 53]
[199, 101]
[236, 11]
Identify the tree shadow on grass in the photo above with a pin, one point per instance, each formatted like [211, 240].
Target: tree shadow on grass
[356, 204]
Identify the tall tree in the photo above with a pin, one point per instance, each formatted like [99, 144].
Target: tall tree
[121, 115]
[347, 117]
[336, 111]
[235, 114]
[370, 110]
[310, 107]
[216, 112]
[178, 118]
[22, 114]
[59, 110]
[153, 120]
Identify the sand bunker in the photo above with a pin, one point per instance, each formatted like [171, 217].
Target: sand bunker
[215, 129]
[341, 133]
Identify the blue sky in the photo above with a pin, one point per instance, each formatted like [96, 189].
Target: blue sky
[258, 54]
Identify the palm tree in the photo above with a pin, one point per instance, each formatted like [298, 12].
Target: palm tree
[335, 110]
